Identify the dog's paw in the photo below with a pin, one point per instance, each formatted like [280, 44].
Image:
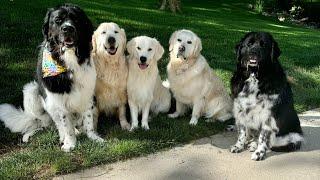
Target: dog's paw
[193, 121]
[258, 155]
[252, 146]
[67, 147]
[235, 149]
[145, 126]
[133, 127]
[99, 140]
[77, 132]
[25, 138]
[173, 115]
[125, 125]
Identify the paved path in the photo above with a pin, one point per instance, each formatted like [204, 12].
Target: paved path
[209, 158]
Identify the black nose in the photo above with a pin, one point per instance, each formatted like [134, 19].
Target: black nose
[143, 59]
[68, 29]
[111, 40]
[182, 48]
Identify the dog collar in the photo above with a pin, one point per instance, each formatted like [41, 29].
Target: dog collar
[50, 67]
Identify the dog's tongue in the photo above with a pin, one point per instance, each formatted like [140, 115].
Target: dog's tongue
[143, 66]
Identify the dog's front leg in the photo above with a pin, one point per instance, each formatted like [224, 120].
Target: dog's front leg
[242, 138]
[66, 130]
[180, 109]
[263, 145]
[134, 115]
[145, 116]
[122, 117]
[88, 125]
[196, 111]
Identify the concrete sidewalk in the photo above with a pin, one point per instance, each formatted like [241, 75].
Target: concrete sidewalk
[209, 158]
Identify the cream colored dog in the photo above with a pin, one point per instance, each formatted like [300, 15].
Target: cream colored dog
[109, 43]
[193, 82]
[145, 89]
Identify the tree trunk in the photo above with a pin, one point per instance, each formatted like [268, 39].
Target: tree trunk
[173, 5]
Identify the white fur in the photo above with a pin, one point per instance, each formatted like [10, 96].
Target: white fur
[284, 140]
[29, 120]
[259, 112]
[144, 86]
[252, 111]
[112, 72]
[193, 82]
[62, 106]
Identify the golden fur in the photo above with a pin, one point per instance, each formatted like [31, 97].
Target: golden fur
[193, 82]
[112, 72]
[145, 89]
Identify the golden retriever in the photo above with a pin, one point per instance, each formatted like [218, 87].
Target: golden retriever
[145, 89]
[109, 43]
[192, 81]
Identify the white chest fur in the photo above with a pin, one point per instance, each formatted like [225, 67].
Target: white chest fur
[141, 84]
[79, 98]
[253, 109]
[186, 82]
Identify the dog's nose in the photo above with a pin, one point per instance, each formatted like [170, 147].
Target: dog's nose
[111, 40]
[68, 29]
[182, 48]
[143, 59]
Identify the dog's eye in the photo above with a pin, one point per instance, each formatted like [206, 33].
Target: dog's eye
[138, 48]
[103, 32]
[58, 20]
[179, 40]
[116, 32]
[149, 49]
[189, 42]
[251, 41]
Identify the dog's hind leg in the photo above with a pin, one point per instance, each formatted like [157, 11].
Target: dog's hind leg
[28, 134]
[180, 110]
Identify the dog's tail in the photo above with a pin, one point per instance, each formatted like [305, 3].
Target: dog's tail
[287, 143]
[31, 118]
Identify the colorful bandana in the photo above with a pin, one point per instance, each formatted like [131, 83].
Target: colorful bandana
[50, 67]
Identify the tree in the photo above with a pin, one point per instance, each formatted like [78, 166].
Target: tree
[174, 5]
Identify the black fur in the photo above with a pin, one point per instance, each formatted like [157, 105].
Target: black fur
[55, 39]
[272, 79]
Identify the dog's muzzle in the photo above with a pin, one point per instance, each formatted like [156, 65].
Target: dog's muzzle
[68, 35]
[181, 51]
[143, 64]
[253, 61]
[112, 49]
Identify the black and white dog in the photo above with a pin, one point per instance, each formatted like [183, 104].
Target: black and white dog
[263, 102]
[66, 80]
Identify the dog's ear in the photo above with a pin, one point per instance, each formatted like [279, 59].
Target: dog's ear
[94, 43]
[237, 50]
[275, 50]
[197, 47]
[158, 51]
[171, 40]
[123, 38]
[45, 26]
[131, 46]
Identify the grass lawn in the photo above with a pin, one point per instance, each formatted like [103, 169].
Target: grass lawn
[220, 24]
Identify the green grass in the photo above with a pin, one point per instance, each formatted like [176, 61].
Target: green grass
[220, 24]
